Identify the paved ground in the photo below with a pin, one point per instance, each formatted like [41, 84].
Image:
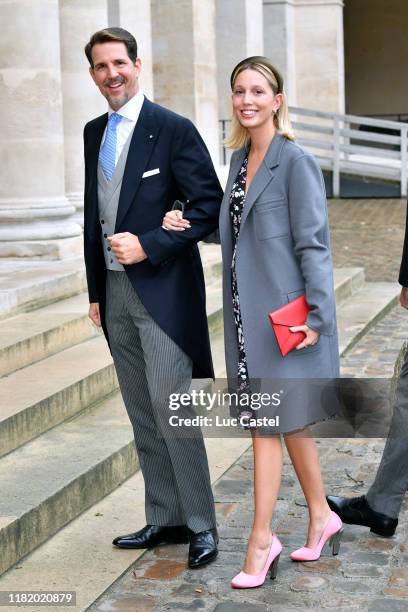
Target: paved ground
[370, 573]
[368, 233]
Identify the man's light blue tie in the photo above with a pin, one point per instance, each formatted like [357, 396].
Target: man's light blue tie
[107, 152]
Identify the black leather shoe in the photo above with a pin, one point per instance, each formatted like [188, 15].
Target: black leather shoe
[203, 548]
[153, 535]
[356, 511]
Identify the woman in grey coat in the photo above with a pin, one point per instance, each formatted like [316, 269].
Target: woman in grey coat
[275, 247]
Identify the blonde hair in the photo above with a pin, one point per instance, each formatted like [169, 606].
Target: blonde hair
[239, 135]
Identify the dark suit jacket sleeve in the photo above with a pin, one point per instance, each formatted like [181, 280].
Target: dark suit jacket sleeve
[403, 275]
[88, 251]
[196, 179]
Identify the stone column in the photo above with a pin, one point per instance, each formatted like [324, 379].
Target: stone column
[34, 212]
[184, 63]
[279, 41]
[82, 101]
[239, 35]
[135, 16]
[319, 52]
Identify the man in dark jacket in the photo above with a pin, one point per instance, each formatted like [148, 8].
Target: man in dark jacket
[146, 285]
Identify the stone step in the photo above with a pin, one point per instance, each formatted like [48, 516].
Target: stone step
[36, 335]
[363, 309]
[347, 281]
[52, 479]
[26, 285]
[40, 396]
[81, 557]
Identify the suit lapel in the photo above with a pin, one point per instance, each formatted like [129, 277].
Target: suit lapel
[94, 143]
[140, 149]
[261, 180]
[236, 163]
[225, 223]
[264, 174]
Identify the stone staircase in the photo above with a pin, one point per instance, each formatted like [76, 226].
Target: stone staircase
[69, 479]
[27, 285]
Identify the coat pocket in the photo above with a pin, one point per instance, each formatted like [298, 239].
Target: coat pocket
[292, 295]
[307, 350]
[269, 203]
[271, 222]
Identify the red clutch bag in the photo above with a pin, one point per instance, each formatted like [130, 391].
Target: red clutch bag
[290, 315]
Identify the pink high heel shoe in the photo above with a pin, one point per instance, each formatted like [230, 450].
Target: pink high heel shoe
[333, 531]
[250, 581]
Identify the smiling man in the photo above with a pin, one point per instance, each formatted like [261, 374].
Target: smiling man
[146, 285]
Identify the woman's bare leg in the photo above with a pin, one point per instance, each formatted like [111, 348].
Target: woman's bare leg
[305, 459]
[267, 453]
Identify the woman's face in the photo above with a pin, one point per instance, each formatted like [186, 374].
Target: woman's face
[253, 100]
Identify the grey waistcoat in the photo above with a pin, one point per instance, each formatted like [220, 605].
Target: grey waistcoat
[108, 200]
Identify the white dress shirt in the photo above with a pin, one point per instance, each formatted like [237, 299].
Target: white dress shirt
[130, 113]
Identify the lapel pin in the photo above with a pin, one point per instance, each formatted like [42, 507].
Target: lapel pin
[151, 136]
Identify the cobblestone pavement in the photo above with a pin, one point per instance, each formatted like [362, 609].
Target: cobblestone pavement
[370, 234]
[370, 573]
[375, 354]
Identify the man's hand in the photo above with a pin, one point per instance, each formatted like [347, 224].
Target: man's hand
[127, 248]
[403, 299]
[311, 338]
[93, 313]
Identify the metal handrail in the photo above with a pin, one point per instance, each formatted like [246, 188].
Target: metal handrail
[351, 143]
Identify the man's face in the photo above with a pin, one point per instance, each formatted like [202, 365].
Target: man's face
[114, 73]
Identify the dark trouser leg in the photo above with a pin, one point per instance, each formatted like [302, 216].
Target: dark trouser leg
[391, 482]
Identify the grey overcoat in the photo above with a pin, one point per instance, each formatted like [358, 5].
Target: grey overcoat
[283, 250]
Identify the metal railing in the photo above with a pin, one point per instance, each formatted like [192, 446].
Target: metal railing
[351, 144]
[402, 117]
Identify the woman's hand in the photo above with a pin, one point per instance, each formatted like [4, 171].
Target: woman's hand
[311, 338]
[173, 220]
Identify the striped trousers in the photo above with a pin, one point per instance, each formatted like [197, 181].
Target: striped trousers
[150, 366]
[388, 490]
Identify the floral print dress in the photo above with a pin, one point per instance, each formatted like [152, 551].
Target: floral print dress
[237, 201]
